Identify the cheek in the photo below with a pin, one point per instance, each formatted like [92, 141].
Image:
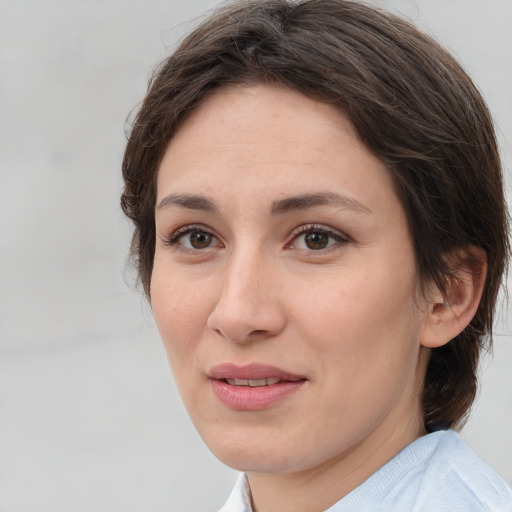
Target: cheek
[180, 311]
[363, 336]
[361, 317]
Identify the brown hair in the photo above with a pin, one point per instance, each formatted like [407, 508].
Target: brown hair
[412, 105]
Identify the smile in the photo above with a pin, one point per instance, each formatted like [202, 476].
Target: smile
[253, 387]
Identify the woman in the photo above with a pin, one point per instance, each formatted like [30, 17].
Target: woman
[321, 230]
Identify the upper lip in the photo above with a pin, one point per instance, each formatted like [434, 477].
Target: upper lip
[251, 371]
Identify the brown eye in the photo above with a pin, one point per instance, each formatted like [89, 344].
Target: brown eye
[316, 240]
[194, 239]
[200, 239]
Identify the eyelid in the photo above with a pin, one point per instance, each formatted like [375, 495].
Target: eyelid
[318, 227]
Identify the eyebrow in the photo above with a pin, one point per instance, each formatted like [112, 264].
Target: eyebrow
[305, 201]
[189, 201]
[280, 207]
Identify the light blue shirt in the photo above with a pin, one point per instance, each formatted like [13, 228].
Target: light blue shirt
[436, 473]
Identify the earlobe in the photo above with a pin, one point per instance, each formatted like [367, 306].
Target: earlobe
[449, 313]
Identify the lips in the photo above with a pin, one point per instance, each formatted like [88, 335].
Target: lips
[251, 372]
[254, 386]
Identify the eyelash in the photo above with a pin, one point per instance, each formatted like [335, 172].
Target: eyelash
[186, 230]
[338, 237]
[302, 230]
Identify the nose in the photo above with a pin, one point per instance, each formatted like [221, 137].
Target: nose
[249, 306]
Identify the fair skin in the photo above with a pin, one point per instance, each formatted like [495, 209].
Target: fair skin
[283, 253]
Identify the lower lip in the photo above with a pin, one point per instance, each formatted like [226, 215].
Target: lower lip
[246, 398]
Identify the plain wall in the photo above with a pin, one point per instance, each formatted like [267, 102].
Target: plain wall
[90, 420]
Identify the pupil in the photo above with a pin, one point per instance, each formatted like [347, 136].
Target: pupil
[317, 240]
[200, 240]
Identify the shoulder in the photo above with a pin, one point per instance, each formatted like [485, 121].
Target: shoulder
[455, 472]
[438, 472]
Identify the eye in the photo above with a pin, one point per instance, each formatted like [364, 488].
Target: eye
[193, 238]
[197, 240]
[315, 238]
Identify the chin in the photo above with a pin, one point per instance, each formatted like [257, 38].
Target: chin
[253, 453]
[257, 461]
[258, 454]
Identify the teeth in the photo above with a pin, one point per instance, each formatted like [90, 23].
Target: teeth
[253, 383]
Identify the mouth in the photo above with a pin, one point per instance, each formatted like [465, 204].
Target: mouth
[252, 375]
[253, 387]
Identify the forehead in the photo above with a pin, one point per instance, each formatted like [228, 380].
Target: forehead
[266, 137]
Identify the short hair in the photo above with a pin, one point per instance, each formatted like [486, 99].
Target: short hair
[412, 105]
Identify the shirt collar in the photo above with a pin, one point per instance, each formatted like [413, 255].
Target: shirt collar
[240, 498]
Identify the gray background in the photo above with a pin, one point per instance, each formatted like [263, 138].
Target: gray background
[89, 416]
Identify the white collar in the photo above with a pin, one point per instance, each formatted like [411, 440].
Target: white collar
[240, 498]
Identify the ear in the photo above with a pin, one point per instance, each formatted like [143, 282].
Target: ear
[450, 313]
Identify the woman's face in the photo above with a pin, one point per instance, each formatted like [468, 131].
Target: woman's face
[284, 285]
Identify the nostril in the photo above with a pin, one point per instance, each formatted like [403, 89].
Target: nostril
[258, 333]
